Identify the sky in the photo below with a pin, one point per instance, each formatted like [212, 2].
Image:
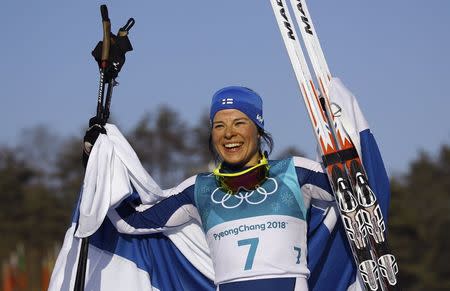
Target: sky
[393, 55]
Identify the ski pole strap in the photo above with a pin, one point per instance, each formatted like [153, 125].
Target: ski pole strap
[339, 156]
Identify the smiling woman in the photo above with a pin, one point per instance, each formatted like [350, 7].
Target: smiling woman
[252, 224]
[235, 138]
[246, 189]
[237, 126]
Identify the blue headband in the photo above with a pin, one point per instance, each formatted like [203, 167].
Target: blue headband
[240, 98]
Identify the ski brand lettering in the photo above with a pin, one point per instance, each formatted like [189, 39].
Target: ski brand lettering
[304, 18]
[290, 32]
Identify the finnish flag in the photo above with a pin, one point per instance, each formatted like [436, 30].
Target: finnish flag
[227, 101]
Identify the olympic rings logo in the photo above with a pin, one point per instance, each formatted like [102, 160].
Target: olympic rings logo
[230, 200]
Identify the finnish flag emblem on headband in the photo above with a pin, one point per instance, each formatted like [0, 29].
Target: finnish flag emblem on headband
[227, 101]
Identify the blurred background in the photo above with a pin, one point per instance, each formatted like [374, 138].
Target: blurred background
[393, 55]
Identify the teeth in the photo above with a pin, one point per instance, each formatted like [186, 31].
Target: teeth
[232, 145]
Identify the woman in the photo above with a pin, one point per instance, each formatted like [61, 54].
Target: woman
[253, 211]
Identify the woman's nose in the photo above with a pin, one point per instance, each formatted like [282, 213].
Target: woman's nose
[229, 132]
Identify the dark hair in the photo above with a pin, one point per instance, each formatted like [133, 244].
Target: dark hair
[265, 139]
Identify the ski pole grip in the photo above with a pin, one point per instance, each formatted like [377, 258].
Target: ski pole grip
[104, 12]
[106, 36]
[123, 31]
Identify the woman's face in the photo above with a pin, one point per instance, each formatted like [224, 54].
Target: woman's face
[235, 138]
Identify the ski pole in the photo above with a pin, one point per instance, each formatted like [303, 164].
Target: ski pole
[82, 258]
[110, 56]
[82, 264]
